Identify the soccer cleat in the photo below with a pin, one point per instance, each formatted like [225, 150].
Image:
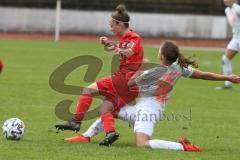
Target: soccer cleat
[79, 138]
[188, 146]
[109, 139]
[224, 88]
[72, 125]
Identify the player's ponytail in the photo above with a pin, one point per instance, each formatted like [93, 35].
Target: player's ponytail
[121, 15]
[172, 53]
[185, 62]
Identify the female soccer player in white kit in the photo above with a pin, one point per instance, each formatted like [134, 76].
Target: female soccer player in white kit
[156, 86]
[233, 17]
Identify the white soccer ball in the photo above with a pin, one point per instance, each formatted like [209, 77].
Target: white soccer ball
[13, 129]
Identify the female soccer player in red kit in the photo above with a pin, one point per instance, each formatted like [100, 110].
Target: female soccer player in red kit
[114, 88]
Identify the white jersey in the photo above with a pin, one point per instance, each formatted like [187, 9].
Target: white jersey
[150, 81]
[233, 18]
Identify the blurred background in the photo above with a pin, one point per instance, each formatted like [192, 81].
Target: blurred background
[199, 19]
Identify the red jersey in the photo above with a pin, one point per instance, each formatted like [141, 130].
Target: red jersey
[115, 87]
[133, 41]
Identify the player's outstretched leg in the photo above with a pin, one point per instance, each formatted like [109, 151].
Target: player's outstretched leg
[183, 145]
[84, 103]
[74, 124]
[143, 141]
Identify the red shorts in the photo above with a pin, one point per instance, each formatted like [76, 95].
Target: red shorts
[116, 90]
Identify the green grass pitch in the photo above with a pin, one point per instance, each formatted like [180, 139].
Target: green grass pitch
[208, 117]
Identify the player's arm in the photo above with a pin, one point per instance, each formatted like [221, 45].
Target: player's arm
[124, 52]
[103, 40]
[132, 82]
[111, 46]
[108, 45]
[132, 48]
[197, 74]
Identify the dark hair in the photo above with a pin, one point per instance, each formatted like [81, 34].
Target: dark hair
[171, 52]
[121, 15]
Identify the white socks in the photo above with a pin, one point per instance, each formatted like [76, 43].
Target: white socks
[160, 144]
[227, 68]
[94, 129]
[126, 114]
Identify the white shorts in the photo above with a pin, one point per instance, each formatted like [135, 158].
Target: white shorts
[148, 112]
[234, 45]
[127, 113]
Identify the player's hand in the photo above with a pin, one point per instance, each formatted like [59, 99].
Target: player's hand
[234, 78]
[103, 40]
[117, 51]
[110, 46]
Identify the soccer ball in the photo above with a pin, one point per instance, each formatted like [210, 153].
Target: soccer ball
[1, 65]
[13, 129]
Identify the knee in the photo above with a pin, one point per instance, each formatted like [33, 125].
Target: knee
[91, 89]
[102, 111]
[142, 144]
[86, 91]
[106, 107]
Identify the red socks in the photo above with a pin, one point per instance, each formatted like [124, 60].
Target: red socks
[83, 105]
[108, 122]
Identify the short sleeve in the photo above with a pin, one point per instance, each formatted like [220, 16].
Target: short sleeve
[140, 80]
[187, 72]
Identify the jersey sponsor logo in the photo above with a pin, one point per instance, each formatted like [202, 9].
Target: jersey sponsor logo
[126, 45]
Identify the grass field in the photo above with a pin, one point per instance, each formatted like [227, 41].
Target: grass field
[212, 116]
